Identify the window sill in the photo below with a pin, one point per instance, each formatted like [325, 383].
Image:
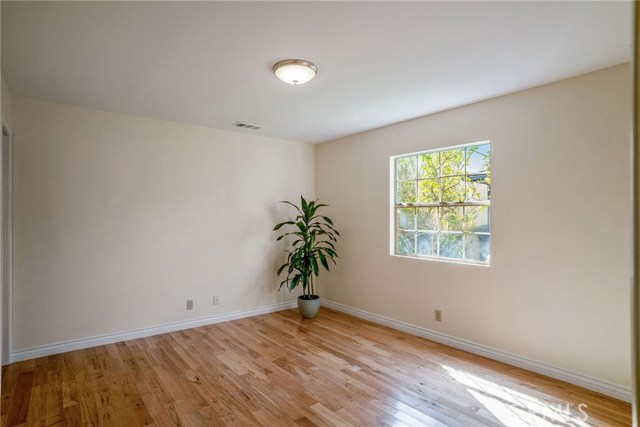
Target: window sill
[445, 260]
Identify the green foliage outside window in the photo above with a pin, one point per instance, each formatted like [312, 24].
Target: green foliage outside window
[442, 203]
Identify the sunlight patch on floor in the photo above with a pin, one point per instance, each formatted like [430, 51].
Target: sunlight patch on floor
[516, 409]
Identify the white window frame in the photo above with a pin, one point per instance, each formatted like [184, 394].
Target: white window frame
[394, 208]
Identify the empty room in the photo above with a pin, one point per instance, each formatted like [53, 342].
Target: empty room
[318, 213]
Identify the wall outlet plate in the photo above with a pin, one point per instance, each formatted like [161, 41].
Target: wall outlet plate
[189, 304]
[438, 315]
[216, 300]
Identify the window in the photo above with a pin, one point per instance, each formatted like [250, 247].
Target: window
[442, 203]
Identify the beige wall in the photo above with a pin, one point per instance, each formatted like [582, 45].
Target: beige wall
[5, 108]
[557, 290]
[120, 219]
[5, 114]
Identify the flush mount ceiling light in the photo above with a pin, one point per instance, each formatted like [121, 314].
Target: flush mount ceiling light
[295, 71]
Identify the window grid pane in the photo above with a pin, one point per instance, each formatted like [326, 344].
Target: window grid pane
[442, 203]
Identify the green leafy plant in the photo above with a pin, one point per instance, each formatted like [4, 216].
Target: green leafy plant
[314, 238]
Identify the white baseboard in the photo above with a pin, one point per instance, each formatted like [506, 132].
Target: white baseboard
[604, 387]
[62, 347]
[600, 386]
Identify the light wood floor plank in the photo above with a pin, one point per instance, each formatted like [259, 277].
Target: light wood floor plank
[281, 370]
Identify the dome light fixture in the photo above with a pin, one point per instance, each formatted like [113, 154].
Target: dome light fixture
[295, 71]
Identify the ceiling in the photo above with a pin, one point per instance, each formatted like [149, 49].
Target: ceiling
[209, 63]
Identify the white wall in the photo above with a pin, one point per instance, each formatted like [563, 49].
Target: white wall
[557, 290]
[120, 219]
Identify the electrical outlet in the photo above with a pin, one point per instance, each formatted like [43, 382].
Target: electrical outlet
[438, 315]
[216, 300]
[189, 304]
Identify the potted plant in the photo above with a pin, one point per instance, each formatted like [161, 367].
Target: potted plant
[313, 237]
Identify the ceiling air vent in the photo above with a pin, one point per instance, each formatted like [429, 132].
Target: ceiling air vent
[244, 125]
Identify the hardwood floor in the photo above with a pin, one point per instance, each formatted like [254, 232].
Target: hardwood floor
[279, 370]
